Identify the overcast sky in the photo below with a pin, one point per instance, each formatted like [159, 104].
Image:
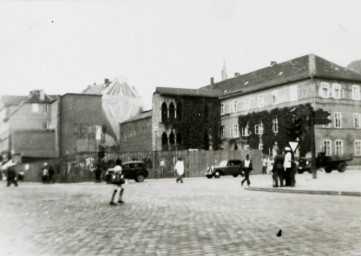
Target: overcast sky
[63, 46]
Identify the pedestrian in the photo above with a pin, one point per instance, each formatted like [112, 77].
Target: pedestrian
[11, 175]
[277, 170]
[264, 164]
[51, 174]
[179, 168]
[45, 173]
[287, 166]
[247, 168]
[98, 172]
[269, 165]
[118, 181]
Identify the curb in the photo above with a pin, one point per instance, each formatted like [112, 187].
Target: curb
[311, 192]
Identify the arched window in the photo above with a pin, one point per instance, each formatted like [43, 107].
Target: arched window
[179, 111]
[164, 112]
[171, 138]
[171, 112]
[164, 141]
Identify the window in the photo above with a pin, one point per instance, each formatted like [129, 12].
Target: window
[164, 112]
[235, 106]
[275, 125]
[46, 125]
[46, 108]
[336, 91]
[338, 120]
[84, 131]
[260, 101]
[324, 90]
[356, 92]
[235, 130]
[222, 109]
[357, 147]
[171, 114]
[222, 132]
[293, 93]
[35, 107]
[274, 97]
[245, 130]
[356, 120]
[247, 104]
[338, 147]
[326, 147]
[258, 128]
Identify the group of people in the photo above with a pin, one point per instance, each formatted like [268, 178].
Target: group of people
[282, 168]
[47, 173]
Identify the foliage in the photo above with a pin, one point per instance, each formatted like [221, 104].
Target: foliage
[284, 117]
[199, 122]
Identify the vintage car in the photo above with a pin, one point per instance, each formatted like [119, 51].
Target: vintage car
[328, 163]
[225, 167]
[132, 170]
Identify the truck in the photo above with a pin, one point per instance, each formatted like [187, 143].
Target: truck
[328, 163]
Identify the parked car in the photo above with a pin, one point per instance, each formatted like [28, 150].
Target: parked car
[131, 170]
[329, 163]
[225, 167]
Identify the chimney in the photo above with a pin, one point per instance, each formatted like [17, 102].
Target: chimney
[236, 74]
[106, 80]
[41, 95]
[212, 80]
[273, 63]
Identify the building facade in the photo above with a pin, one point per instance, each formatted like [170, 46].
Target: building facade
[306, 80]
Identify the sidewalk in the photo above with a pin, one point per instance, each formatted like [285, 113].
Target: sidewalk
[335, 183]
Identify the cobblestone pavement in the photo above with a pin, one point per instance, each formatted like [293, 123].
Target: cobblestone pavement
[199, 217]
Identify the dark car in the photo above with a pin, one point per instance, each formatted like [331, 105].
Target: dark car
[225, 167]
[131, 170]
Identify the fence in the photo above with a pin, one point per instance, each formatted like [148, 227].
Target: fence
[78, 168]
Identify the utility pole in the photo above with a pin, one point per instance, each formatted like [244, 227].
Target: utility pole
[313, 146]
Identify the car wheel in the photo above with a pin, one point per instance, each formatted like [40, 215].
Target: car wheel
[341, 167]
[139, 178]
[328, 169]
[217, 174]
[209, 176]
[235, 175]
[300, 171]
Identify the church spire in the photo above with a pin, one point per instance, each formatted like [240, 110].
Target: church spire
[224, 71]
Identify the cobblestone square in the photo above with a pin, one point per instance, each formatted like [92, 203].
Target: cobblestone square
[199, 217]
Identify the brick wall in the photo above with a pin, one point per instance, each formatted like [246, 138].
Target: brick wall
[136, 135]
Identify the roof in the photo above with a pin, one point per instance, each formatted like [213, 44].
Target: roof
[37, 99]
[304, 67]
[355, 66]
[118, 87]
[140, 116]
[12, 100]
[203, 92]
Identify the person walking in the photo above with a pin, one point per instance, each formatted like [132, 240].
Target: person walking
[264, 164]
[179, 168]
[277, 170]
[118, 181]
[45, 173]
[11, 176]
[287, 166]
[51, 174]
[247, 168]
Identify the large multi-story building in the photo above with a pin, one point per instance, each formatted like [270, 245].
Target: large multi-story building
[306, 80]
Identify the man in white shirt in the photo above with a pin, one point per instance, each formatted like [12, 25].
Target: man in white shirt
[287, 165]
[247, 168]
[179, 168]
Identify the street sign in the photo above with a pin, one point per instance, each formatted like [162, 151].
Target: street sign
[293, 145]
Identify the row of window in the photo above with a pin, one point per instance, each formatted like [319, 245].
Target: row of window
[258, 129]
[35, 107]
[337, 147]
[170, 113]
[84, 131]
[337, 121]
[326, 90]
[335, 91]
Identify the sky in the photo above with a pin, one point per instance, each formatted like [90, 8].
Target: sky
[64, 46]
